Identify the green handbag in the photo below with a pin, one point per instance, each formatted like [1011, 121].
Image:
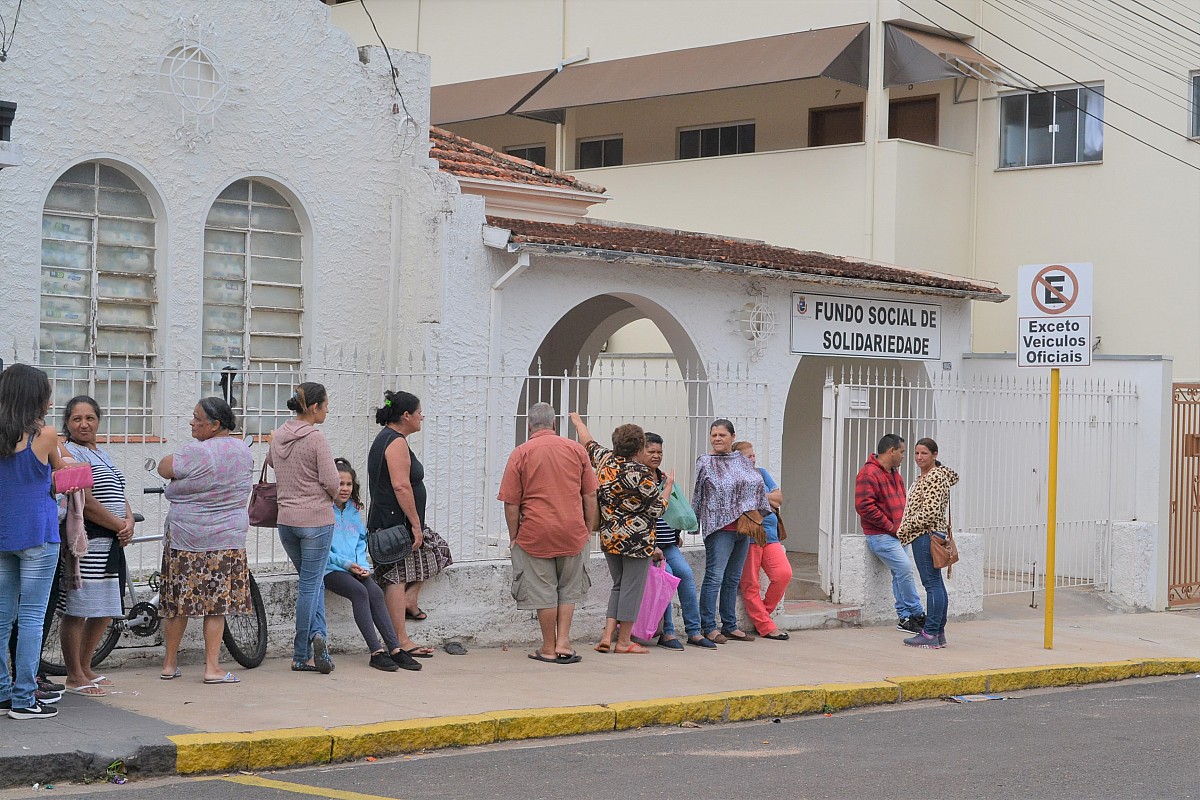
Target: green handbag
[679, 514]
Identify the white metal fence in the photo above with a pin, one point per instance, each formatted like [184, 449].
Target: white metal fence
[472, 423]
[994, 432]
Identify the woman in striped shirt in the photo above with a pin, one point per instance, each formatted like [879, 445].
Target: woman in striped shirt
[89, 609]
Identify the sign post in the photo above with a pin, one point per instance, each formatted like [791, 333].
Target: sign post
[1054, 328]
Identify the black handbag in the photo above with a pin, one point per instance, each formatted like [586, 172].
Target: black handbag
[391, 544]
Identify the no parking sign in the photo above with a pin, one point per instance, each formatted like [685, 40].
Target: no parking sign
[1054, 311]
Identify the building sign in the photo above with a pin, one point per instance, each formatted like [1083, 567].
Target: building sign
[1054, 315]
[827, 325]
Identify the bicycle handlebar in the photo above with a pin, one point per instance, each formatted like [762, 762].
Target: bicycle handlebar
[153, 490]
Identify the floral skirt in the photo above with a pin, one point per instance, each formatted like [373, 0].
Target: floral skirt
[206, 583]
[432, 557]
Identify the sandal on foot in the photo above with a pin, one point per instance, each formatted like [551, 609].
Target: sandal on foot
[170, 676]
[568, 658]
[716, 637]
[87, 690]
[300, 666]
[416, 616]
[228, 677]
[633, 648]
[536, 655]
[420, 652]
[102, 681]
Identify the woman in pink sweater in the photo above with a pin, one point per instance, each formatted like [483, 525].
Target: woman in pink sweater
[307, 482]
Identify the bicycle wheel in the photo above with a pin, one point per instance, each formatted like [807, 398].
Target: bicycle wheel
[245, 635]
[52, 663]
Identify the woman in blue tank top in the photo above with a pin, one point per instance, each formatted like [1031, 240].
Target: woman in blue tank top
[29, 451]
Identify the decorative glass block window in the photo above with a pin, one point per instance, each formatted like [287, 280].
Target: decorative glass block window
[1060, 127]
[719, 140]
[98, 300]
[253, 302]
[530, 152]
[607, 152]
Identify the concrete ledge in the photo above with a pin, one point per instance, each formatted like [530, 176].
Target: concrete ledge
[210, 752]
[1169, 666]
[840, 696]
[784, 701]
[931, 687]
[409, 736]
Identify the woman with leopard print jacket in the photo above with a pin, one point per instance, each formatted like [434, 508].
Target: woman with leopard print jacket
[925, 517]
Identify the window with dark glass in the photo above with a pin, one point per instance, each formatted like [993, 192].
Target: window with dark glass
[721, 140]
[601, 153]
[1195, 127]
[1065, 126]
[530, 152]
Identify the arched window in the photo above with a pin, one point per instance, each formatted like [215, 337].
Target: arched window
[253, 301]
[98, 298]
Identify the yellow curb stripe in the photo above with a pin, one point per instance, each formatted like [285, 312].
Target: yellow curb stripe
[300, 788]
[258, 750]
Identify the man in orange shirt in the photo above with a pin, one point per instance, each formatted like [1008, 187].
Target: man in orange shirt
[549, 495]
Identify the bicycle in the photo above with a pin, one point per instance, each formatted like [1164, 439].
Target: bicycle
[245, 635]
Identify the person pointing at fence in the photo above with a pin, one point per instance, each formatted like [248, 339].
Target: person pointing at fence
[926, 526]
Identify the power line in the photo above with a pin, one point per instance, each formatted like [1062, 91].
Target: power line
[1182, 10]
[1033, 83]
[1158, 24]
[1129, 20]
[5, 45]
[408, 118]
[1124, 33]
[1130, 76]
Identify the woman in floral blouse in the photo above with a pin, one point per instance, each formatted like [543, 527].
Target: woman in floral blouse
[630, 502]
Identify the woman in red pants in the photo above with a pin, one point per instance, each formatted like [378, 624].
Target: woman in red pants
[770, 558]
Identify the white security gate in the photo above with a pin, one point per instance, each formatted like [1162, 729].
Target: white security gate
[994, 432]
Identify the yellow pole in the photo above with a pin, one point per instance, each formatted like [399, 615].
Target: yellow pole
[1051, 509]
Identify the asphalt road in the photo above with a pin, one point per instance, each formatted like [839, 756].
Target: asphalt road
[1137, 739]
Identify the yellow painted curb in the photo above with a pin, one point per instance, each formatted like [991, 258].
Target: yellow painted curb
[1169, 666]
[210, 752]
[542, 723]
[411, 735]
[290, 747]
[852, 695]
[669, 711]
[947, 684]
[781, 701]
[1007, 680]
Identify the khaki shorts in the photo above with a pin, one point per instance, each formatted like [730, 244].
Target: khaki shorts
[539, 583]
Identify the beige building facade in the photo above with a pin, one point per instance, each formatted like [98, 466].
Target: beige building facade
[965, 171]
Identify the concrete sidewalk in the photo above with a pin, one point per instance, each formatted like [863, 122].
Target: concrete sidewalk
[277, 718]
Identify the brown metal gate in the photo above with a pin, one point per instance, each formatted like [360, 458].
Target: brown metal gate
[1183, 583]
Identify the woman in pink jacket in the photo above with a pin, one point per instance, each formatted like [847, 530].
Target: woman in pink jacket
[307, 482]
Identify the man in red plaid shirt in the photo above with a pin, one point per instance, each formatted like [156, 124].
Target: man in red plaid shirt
[879, 500]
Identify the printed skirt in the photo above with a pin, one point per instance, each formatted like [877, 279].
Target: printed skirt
[205, 583]
[432, 557]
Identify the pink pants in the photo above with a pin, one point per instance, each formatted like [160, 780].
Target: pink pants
[771, 559]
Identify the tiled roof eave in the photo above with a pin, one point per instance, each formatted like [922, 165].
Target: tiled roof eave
[519, 244]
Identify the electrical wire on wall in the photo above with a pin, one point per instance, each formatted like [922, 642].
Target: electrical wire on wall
[6, 34]
[409, 131]
[1042, 88]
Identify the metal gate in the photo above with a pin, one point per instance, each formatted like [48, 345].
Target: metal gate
[1183, 583]
[994, 431]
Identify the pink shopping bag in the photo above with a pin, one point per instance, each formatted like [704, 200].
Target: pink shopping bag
[660, 587]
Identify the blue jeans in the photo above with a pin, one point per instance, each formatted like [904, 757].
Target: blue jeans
[931, 579]
[25, 580]
[678, 566]
[893, 554]
[724, 557]
[308, 550]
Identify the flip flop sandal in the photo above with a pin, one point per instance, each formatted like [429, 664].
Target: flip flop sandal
[635, 649]
[778, 636]
[90, 690]
[418, 616]
[420, 652]
[568, 658]
[536, 655]
[228, 678]
[454, 648]
[300, 666]
[103, 681]
[170, 677]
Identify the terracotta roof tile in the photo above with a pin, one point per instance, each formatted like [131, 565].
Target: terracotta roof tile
[467, 159]
[622, 238]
